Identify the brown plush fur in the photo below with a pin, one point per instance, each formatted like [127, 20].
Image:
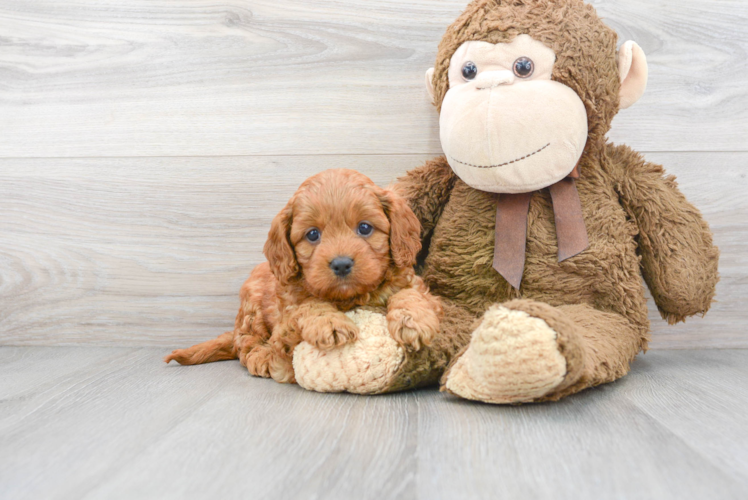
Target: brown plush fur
[296, 297]
[637, 220]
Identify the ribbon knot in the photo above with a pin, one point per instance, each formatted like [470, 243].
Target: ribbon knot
[511, 228]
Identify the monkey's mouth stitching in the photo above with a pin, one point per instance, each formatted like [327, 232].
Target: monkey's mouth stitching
[503, 164]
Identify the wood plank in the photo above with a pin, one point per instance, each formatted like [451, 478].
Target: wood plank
[81, 439]
[153, 251]
[691, 104]
[192, 77]
[20, 373]
[132, 251]
[683, 390]
[602, 443]
[283, 442]
[60, 439]
[140, 429]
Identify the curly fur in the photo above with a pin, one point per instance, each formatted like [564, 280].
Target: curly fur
[295, 296]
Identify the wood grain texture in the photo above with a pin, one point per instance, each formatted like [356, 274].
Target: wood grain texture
[192, 77]
[652, 434]
[153, 251]
[120, 424]
[136, 251]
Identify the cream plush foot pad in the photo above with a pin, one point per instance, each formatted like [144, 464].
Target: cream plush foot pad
[512, 358]
[365, 366]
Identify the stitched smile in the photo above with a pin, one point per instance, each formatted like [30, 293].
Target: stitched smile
[502, 164]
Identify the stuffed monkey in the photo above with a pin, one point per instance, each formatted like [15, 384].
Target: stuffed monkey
[536, 230]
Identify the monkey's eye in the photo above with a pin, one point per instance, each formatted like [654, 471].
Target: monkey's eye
[313, 235]
[469, 70]
[523, 67]
[365, 229]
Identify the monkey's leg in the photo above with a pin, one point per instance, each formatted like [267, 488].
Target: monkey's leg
[526, 351]
[426, 365]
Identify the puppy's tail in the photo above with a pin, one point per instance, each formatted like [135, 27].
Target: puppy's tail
[218, 349]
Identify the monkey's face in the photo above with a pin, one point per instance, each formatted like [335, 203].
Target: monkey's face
[506, 127]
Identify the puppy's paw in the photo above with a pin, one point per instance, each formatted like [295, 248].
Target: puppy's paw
[258, 361]
[413, 327]
[328, 331]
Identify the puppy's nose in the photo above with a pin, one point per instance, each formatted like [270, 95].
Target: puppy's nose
[341, 266]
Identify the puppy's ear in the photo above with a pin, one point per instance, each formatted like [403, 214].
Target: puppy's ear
[405, 230]
[278, 249]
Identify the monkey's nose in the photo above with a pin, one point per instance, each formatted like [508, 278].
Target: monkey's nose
[490, 79]
[341, 266]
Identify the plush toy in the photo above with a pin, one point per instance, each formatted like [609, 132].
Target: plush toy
[535, 229]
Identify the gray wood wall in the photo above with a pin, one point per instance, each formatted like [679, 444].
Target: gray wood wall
[146, 144]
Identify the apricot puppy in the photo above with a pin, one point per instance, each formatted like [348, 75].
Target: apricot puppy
[341, 242]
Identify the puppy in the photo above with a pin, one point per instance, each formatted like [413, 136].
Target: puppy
[341, 242]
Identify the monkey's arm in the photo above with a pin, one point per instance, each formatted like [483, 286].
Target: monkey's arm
[427, 190]
[679, 260]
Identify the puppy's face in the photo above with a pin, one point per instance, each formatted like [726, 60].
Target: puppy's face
[342, 233]
[341, 239]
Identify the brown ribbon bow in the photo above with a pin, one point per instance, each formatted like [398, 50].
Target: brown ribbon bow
[511, 227]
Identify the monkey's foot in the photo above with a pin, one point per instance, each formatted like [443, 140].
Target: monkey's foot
[367, 366]
[514, 357]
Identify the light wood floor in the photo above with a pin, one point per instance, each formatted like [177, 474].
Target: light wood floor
[89, 422]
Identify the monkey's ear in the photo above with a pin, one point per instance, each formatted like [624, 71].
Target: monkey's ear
[632, 68]
[278, 249]
[430, 83]
[405, 230]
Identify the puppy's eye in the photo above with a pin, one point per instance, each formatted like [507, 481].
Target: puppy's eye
[524, 67]
[469, 70]
[365, 229]
[313, 235]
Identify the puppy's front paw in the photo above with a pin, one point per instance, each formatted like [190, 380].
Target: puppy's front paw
[413, 328]
[328, 331]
